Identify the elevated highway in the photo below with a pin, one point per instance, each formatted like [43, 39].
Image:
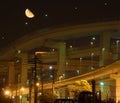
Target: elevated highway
[63, 45]
[50, 36]
[105, 73]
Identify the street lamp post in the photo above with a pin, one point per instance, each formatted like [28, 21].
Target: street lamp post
[117, 47]
[30, 90]
[41, 76]
[92, 54]
[21, 94]
[93, 91]
[52, 75]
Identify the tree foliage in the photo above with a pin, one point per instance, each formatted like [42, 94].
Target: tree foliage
[78, 87]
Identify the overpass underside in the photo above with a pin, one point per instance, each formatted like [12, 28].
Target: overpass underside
[64, 55]
[106, 80]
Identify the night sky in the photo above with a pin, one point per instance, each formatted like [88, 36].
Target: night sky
[14, 23]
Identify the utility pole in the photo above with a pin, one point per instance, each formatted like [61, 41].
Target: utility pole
[41, 76]
[35, 79]
[34, 61]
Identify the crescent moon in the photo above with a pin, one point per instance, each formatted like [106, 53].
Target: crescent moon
[29, 13]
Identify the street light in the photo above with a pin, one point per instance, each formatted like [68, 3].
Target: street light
[21, 93]
[117, 46]
[7, 93]
[79, 70]
[52, 75]
[41, 78]
[92, 54]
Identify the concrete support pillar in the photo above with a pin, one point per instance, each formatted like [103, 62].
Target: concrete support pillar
[105, 56]
[57, 93]
[11, 74]
[117, 87]
[116, 55]
[106, 91]
[117, 90]
[62, 58]
[61, 93]
[24, 68]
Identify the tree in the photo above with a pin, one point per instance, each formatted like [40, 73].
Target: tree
[78, 87]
